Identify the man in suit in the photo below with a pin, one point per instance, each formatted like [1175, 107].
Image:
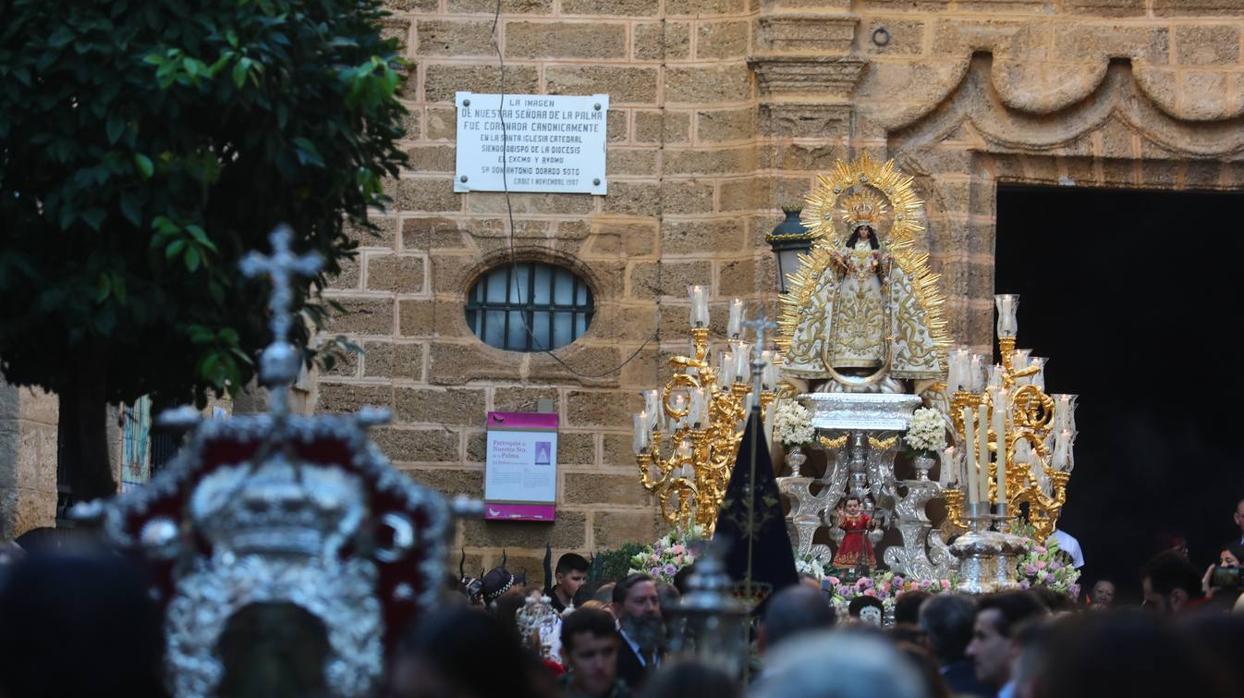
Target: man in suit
[947, 621]
[637, 606]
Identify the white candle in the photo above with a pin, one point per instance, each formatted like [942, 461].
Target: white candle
[1038, 378]
[995, 376]
[982, 453]
[999, 430]
[640, 437]
[742, 362]
[734, 325]
[953, 374]
[699, 407]
[699, 306]
[1008, 305]
[950, 468]
[976, 368]
[727, 369]
[652, 406]
[969, 438]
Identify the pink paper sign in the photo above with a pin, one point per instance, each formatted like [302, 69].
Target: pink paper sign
[520, 471]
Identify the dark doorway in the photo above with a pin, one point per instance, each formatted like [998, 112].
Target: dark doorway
[1135, 296]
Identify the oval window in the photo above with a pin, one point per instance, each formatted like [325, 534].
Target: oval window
[529, 306]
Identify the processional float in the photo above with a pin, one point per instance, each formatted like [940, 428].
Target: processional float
[862, 344]
[280, 525]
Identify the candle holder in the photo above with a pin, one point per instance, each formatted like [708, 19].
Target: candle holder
[988, 559]
[1022, 447]
[687, 465]
[1039, 478]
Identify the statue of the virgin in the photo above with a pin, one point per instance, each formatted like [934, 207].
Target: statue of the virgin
[864, 311]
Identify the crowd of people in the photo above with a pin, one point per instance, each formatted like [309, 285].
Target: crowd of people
[610, 639]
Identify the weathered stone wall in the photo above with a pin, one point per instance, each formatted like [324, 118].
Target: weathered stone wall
[722, 110]
[27, 460]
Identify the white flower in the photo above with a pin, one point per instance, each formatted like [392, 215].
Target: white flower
[792, 425]
[927, 432]
[806, 564]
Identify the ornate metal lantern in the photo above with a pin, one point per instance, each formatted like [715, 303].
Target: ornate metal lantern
[711, 624]
[789, 239]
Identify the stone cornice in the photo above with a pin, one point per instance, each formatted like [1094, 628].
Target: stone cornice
[806, 32]
[807, 76]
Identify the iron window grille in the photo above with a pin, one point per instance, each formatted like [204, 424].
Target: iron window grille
[529, 306]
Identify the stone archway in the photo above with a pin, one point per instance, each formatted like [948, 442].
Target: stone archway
[1111, 132]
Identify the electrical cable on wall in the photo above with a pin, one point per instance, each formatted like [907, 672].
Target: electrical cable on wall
[509, 210]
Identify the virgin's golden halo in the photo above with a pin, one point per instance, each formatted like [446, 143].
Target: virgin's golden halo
[850, 189]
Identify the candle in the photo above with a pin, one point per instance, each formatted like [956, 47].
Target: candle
[976, 367]
[742, 362]
[953, 374]
[1059, 458]
[699, 407]
[699, 306]
[640, 437]
[982, 453]
[652, 406]
[1038, 378]
[970, 454]
[1064, 412]
[768, 374]
[727, 368]
[1008, 305]
[950, 468]
[995, 376]
[734, 325]
[999, 430]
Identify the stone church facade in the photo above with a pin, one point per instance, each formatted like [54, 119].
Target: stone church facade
[720, 112]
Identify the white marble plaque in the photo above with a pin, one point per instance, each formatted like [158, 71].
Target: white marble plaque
[531, 143]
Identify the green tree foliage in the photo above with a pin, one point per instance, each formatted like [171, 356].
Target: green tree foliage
[145, 146]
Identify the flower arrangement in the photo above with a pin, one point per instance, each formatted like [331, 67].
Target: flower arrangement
[809, 565]
[927, 434]
[1047, 566]
[669, 554]
[792, 425]
[883, 584]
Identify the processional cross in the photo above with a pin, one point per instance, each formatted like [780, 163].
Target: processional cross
[760, 326]
[280, 362]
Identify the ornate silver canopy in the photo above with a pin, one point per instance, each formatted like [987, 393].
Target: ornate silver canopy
[278, 513]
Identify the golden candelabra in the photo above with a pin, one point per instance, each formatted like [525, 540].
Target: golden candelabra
[1032, 438]
[686, 454]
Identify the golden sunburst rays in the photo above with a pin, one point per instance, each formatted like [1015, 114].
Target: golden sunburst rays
[891, 195]
[864, 180]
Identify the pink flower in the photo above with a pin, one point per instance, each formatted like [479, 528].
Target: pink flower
[1041, 564]
[946, 584]
[870, 592]
[677, 550]
[834, 581]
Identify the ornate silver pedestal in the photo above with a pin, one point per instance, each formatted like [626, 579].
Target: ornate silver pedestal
[805, 515]
[860, 431]
[988, 560]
